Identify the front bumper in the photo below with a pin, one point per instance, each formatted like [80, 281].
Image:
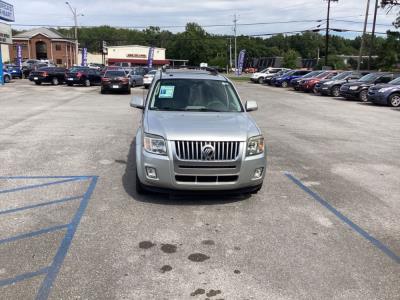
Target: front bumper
[349, 93]
[377, 98]
[170, 171]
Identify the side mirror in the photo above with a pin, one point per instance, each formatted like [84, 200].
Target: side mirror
[137, 102]
[251, 106]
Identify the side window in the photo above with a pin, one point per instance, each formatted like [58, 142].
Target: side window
[91, 72]
[384, 79]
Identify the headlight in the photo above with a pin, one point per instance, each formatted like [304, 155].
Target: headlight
[154, 144]
[255, 145]
[328, 83]
[353, 87]
[384, 89]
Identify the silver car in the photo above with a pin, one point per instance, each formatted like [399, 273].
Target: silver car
[195, 135]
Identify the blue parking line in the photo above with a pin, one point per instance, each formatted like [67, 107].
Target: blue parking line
[47, 283]
[27, 187]
[33, 233]
[385, 249]
[9, 211]
[45, 177]
[22, 277]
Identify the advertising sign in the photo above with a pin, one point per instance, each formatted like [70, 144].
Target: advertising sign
[5, 34]
[240, 62]
[6, 12]
[150, 57]
[19, 55]
[84, 57]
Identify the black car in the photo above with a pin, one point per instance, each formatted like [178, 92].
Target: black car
[53, 75]
[331, 87]
[83, 76]
[359, 89]
[115, 80]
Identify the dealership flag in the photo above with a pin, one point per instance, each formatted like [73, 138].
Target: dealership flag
[150, 57]
[19, 55]
[240, 62]
[84, 57]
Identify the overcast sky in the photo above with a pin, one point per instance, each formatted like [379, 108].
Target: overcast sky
[205, 12]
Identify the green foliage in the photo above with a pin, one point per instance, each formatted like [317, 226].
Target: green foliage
[389, 52]
[196, 45]
[290, 59]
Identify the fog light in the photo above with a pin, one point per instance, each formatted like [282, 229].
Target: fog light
[258, 173]
[151, 173]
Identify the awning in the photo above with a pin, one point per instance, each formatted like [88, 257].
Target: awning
[138, 61]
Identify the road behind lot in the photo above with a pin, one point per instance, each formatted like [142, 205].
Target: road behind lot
[325, 226]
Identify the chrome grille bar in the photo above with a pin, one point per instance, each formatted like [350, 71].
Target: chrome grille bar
[192, 150]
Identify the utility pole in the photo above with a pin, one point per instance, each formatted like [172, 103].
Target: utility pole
[363, 37]
[327, 31]
[73, 10]
[371, 46]
[230, 53]
[235, 31]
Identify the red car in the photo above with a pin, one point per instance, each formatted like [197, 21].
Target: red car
[308, 85]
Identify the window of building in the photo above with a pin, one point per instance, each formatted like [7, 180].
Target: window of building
[59, 61]
[58, 47]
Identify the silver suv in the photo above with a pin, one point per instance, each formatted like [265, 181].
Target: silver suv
[195, 135]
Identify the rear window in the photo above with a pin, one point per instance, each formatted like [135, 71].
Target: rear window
[115, 74]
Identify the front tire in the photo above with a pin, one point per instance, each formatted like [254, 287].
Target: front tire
[87, 82]
[394, 100]
[260, 80]
[335, 91]
[363, 96]
[54, 81]
[284, 84]
[7, 79]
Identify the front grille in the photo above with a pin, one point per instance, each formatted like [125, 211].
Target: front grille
[193, 150]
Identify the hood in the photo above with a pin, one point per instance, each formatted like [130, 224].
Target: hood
[359, 83]
[382, 85]
[200, 126]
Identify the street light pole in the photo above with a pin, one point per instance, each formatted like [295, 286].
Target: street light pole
[73, 10]
[363, 37]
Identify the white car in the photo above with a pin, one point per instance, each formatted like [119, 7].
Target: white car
[148, 78]
[259, 77]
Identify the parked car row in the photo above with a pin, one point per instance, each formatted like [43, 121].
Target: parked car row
[377, 87]
[111, 78]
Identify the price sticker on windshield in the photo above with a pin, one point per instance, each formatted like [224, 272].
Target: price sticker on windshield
[166, 91]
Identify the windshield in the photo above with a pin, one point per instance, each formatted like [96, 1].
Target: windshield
[312, 74]
[395, 81]
[152, 72]
[77, 69]
[323, 74]
[195, 95]
[341, 76]
[370, 77]
[288, 73]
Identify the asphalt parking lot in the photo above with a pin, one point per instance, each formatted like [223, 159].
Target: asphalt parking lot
[325, 225]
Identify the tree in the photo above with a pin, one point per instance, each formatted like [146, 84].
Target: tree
[290, 59]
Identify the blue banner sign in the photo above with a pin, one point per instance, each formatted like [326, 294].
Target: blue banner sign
[1, 69]
[150, 57]
[19, 55]
[84, 57]
[6, 12]
[240, 62]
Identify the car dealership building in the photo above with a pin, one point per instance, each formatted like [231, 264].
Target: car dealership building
[135, 55]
